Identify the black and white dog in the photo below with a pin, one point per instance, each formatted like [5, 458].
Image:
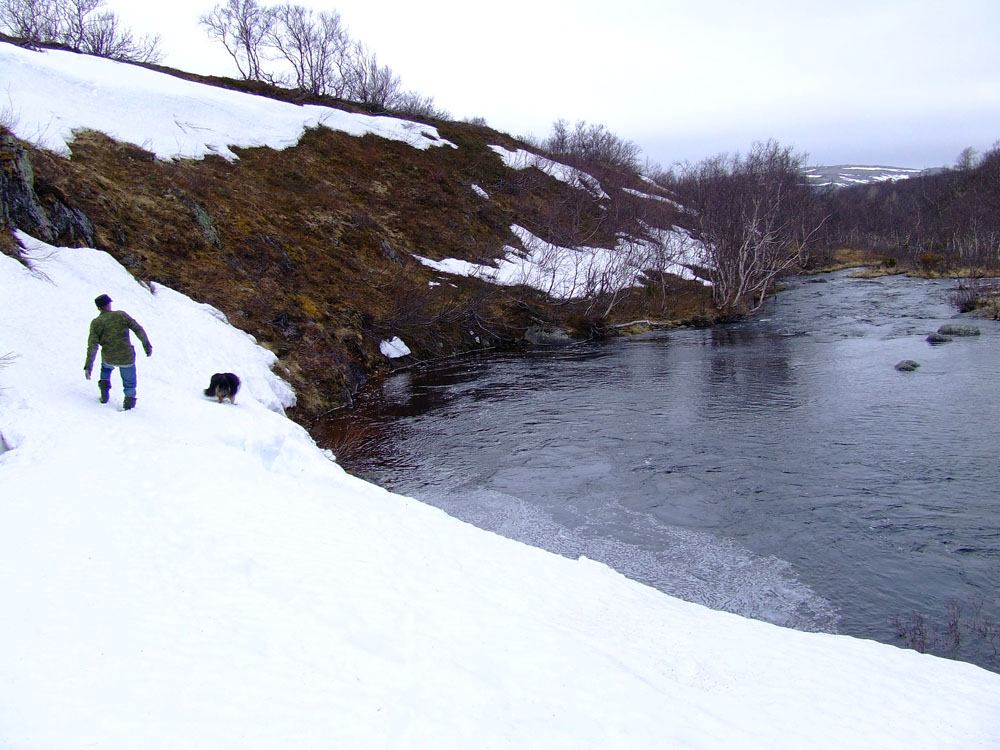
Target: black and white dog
[223, 385]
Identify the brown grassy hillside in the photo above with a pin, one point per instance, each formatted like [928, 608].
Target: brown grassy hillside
[310, 248]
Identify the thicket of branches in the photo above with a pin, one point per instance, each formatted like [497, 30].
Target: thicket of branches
[81, 25]
[948, 219]
[593, 147]
[290, 45]
[751, 218]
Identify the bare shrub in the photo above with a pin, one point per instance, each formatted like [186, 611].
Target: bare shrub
[752, 216]
[953, 214]
[974, 294]
[912, 630]
[412, 104]
[930, 262]
[34, 21]
[80, 25]
[364, 80]
[985, 627]
[348, 439]
[586, 145]
[8, 118]
[964, 628]
[312, 52]
[315, 45]
[242, 27]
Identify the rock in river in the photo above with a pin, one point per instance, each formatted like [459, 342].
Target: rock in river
[957, 329]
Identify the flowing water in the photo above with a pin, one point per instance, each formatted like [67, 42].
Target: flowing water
[781, 469]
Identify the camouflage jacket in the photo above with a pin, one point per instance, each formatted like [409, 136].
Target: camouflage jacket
[109, 330]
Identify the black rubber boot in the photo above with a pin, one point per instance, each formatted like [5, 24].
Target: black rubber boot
[128, 403]
[105, 386]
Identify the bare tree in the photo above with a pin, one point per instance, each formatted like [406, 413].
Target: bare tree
[104, 35]
[316, 48]
[243, 28]
[314, 45]
[34, 21]
[966, 160]
[416, 105]
[592, 146]
[74, 18]
[78, 25]
[749, 214]
[939, 219]
[368, 82]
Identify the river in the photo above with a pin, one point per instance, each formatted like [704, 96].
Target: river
[780, 468]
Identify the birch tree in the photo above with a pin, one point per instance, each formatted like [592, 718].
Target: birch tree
[82, 25]
[314, 45]
[242, 28]
[750, 215]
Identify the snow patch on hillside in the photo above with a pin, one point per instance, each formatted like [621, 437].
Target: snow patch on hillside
[846, 175]
[53, 94]
[520, 159]
[576, 272]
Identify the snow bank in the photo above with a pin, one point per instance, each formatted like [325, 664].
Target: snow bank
[394, 348]
[196, 575]
[521, 159]
[574, 272]
[651, 197]
[51, 94]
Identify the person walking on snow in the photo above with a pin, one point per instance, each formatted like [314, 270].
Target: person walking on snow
[109, 330]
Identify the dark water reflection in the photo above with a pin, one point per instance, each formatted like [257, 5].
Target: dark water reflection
[781, 469]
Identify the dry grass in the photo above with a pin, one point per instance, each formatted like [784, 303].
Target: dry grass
[844, 258]
[876, 272]
[978, 294]
[920, 273]
[347, 439]
[310, 248]
[8, 245]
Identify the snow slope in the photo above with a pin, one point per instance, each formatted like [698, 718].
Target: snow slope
[47, 95]
[196, 575]
[576, 272]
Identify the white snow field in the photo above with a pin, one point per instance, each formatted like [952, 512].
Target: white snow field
[195, 575]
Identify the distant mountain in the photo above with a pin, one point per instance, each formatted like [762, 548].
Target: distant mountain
[842, 175]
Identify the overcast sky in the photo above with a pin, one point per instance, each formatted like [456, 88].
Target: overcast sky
[896, 82]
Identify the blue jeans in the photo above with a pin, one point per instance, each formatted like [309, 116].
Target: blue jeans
[128, 376]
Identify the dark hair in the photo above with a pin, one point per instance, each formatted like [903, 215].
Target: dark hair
[103, 301]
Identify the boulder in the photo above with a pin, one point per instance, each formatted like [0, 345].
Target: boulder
[957, 329]
[938, 338]
[548, 336]
[38, 209]
[907, 365]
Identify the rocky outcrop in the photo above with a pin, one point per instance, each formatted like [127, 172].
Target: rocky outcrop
[938, 338]
[38, 209]
[540, 336]
[989, 312]
[957, 329]
[907, 365]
